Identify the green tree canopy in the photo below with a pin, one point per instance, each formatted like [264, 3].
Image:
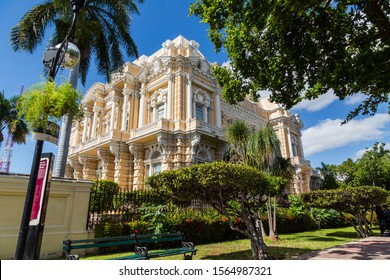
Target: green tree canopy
[234, 190]
[302, 49]
[371, 169]
[354, 200]
[329, 177]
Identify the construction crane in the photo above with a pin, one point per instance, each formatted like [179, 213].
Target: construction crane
[5, 161]
[6, 156]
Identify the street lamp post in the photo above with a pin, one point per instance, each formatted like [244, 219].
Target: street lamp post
[54, 64]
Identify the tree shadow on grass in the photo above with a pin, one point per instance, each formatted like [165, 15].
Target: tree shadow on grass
[274, 252]
[238, 255]
[324, 239]
[343, 234]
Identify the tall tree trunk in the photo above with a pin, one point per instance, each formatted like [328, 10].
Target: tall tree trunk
[66, 128]
[271, 220]
[259, 249]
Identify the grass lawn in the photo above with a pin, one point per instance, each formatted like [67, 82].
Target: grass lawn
[288, 246]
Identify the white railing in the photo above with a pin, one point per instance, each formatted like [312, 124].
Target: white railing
[146, 129]
[210, 128]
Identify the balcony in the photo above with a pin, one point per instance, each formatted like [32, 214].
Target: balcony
[115, 135]
[164, 125]
[300, 161]
[150, 129]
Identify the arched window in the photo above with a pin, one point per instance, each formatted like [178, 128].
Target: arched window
[158, 105]
[153, 165]
[294, 146]
[202, 105]
[203, 154]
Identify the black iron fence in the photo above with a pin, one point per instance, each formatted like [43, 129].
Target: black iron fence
[125, 206]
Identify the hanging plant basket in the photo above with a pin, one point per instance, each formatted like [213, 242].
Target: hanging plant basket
[45, 103]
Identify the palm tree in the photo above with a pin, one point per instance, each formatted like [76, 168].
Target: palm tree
[260, 149]
[9, 119]
[263, 147]
[237, 135]
[103, 29]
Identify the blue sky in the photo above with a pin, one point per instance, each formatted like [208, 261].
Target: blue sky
[324, 139]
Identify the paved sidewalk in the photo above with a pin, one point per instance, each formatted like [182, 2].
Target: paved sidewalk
[370, 248]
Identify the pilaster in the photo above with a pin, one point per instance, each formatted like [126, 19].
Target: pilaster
[218, 112]
[125, 108]
[189, 101]
[89, 166]
[170, 78]
[178, 114]
[87, 117]
[121, 161]
[142, 106]
[77, 168]
[139, 168]
[107, 164]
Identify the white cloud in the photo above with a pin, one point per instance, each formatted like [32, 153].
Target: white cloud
[329, 134]
[226, 64]
[360, 153]
[317, 104]
[265, 94]
[354, 99]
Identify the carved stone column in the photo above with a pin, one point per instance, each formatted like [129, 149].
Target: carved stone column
[163, 144]
[107, 161]
[121, 161]
[77, 168]
[179, 97]
[194, 146]
[96, 111]
[142, 105]
[139, 169]
[189, 97]
[218, 109]
[89, 167]
[113, 112]
[87, 116]
[170, 77]
[125, 108]
[178, 155]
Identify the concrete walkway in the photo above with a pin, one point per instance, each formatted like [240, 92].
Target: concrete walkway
[370, 248]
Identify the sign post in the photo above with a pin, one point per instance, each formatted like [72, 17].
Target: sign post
[50, 133]
[39, 207]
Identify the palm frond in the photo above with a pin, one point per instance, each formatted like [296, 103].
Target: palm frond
[102, 30]
[29, 32]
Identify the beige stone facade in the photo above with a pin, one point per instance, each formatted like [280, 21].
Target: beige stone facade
[164, 112]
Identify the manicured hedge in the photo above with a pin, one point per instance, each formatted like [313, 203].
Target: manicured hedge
[202, 227]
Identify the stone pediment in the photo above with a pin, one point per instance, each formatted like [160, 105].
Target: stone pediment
[96, 90]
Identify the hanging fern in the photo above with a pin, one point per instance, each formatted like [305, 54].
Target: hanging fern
[46, 102]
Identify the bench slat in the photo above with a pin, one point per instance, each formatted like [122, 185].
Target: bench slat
[98, 245]
[134, 240]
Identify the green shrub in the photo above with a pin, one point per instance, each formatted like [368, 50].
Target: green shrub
[108, 228]
[200, 227]
[136, 227]
[103, 194]
[287, 221]
[330, 218]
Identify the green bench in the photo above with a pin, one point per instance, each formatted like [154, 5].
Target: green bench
[140, 243]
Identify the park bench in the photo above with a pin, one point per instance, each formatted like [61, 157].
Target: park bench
[141, 244]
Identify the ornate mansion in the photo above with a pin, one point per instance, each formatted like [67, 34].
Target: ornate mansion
[164, 112]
